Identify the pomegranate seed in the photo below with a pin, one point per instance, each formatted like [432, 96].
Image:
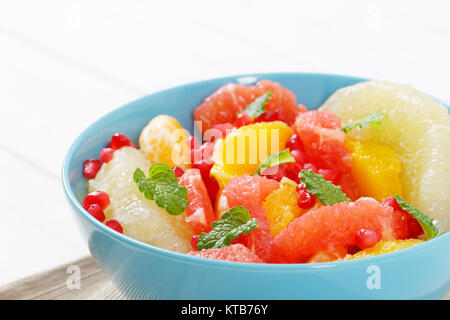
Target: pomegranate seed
[330, 175]
[97, 197]
[97, 212]
[299, 156]
[119, 140]
[310, 166]
[224, 128]
[106, 154]
[91, 167]
[133, 146]
[294, 143]
[242, 120]
[392, 203]
[194, 241]
[115, 225]
[305, 200]
[366, 238]
[269, 116]
[178, 171]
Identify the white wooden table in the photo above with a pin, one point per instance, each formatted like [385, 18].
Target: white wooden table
[64, 63]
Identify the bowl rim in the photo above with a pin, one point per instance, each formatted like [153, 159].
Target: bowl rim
[185, 258]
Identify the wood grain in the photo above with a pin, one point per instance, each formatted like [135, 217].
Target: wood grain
[52, 285]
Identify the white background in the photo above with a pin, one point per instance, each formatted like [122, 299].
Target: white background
[65, 63]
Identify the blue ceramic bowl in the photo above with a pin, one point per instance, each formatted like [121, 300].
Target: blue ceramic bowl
[142, 271]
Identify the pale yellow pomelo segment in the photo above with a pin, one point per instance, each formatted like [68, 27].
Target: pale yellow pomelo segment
[375, 167]
[242, 150]
[384, 247]
[164, 140]
[140, 218]
[417, 128]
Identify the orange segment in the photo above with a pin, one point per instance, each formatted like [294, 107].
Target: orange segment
[384, 247]
[241, 151]
[164, 140]
[376, 168]
[281, 207]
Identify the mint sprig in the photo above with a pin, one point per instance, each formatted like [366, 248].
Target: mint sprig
[322, 189]
[256, 108]
[275, 159]
[232, 224]
[162, 186]
[372, 120]
[430, 230]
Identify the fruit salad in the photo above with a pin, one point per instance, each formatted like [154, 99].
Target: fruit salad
[265, 180]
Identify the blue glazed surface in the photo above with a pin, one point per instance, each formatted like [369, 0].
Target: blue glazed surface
[143, 271]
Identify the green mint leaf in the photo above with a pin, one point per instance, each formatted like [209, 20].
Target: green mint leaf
[372, 120]
[232, 224]
[424, 220]
[162, 186]
[275, 159]
[322, 189]
[256, 108]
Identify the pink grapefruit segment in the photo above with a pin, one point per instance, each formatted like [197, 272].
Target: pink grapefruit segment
[223, 105]
[323, 142]
[250, 192]
[330, 228]
[234, 252]
[199, 213]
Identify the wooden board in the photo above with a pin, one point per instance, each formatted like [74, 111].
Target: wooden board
[52, 285]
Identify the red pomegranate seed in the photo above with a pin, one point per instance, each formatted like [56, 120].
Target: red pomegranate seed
[97, 212]
[119, 140]
[133, 146]
[224, 128]
[97, 197]
[366, 238]
[194, 241]
[106, 154]
[294, 143]
[269, 116]
[91, 167]
[299, 156]
[115, 225]
[178, 171]
[242, 120]
[305, 200]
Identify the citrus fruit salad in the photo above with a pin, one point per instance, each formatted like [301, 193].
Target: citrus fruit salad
[265, 180]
